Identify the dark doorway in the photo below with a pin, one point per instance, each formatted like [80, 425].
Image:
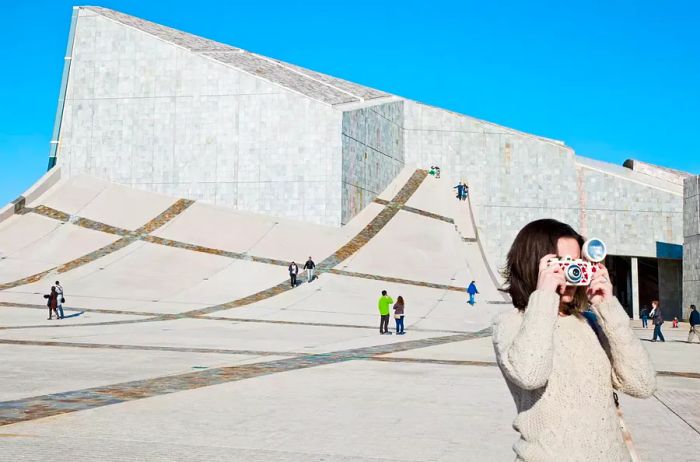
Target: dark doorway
[620, 270]
[648, 282]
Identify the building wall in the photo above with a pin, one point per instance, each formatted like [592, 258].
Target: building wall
[516, 178]
[630, 216]
[143, 112]
[691, 246]
[373, 153]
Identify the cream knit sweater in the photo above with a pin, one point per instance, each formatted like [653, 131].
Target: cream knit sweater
[562, 378]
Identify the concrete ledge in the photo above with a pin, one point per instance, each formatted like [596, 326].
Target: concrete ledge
[44, 183]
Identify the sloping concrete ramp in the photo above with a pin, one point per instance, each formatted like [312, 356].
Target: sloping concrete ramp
[129, 253]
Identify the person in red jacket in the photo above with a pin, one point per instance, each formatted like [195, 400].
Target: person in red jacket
[52, 302]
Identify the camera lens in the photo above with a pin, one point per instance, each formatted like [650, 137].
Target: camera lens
[574, 274]
[594, 250]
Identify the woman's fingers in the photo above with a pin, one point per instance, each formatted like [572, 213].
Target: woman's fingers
[544, 261]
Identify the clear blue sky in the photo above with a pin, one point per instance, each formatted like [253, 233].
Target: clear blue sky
[612, 79]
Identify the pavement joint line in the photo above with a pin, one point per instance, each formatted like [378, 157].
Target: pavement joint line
[320, 324]
[154, 317]
[692, 427]
[417, 211]
[35, 306]
[460, 362]
[127, 238]
[85, 324]
[448, 362]
[38, 407]
[101, 346]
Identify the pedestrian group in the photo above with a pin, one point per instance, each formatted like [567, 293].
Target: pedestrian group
[55, 301]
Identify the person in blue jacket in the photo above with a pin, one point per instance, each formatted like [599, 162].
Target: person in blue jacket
[472, 290]
[460, 190]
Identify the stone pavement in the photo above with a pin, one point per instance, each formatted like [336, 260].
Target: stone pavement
[184, 344]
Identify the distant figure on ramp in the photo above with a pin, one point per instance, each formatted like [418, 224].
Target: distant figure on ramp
[460, 190]
[472, 290]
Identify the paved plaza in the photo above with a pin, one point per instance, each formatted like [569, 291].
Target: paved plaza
[184, 341]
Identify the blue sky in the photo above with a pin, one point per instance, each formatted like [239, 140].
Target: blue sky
[613, 79]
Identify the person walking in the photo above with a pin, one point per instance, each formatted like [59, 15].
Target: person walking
[437, 172]
[694, 324]
[465, 191]
[384, 303]
[52, 302]
[657, 318]
[398, 315]
[472, 291]
[309, 267]
[60, 300]
[293, 271]
[645, 317]
[561, 374]
[460, 190]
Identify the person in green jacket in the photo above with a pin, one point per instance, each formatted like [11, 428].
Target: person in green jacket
[384, 304]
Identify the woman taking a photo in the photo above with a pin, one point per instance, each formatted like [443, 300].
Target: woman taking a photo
[560, 373]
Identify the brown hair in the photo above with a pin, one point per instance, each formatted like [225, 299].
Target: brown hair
[533, 242]
[399, 300]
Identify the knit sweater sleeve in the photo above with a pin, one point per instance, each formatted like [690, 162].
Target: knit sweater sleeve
[523, 341]
[632, 370]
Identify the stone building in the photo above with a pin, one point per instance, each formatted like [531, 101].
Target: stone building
[691, 245]
[163, 110]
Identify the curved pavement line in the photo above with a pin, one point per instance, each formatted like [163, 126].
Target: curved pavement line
[38, 407]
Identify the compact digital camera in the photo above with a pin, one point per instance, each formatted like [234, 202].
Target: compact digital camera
[579, 272]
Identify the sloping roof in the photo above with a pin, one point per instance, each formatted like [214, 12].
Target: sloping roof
[630, 175]
[320, 87]
[657, 171]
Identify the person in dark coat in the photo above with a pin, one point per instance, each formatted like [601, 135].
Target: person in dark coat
[658, 320]
[460, 190]
[293, 271]
[52, 302]
[309, 267]
[694, 324]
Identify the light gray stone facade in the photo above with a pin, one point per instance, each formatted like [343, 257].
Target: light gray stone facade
[163, 110]
[691, 246]
[373, 153]
[516, 178]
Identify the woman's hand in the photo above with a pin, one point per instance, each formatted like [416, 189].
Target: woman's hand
[601, 289]
[551, 277]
